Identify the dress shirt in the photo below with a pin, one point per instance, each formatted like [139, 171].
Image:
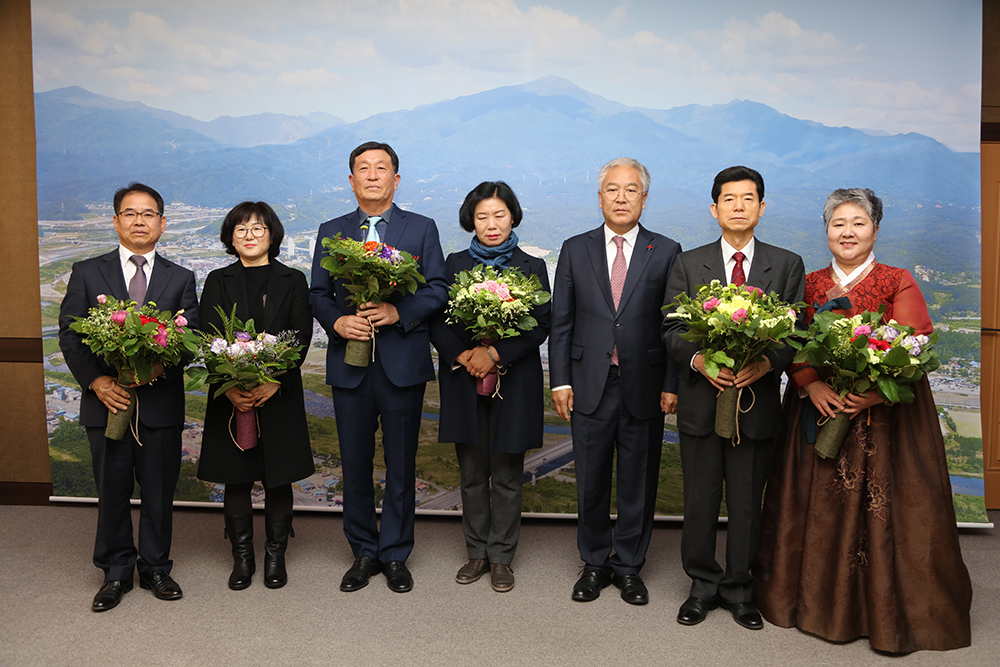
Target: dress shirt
[845, 278]
[363, 217]
[128, 268]
[727, 255]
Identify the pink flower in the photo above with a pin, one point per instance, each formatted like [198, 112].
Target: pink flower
[863, 330]
[503, 292]
[740, 315]
[161, 336]
[102, 299]
[754, 290]
[711, 304]
[180, 321]
[118, 317]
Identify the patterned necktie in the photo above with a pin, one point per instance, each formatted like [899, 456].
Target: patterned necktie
[618, 272]
[372, 231]
[738, 277]
[137, 286]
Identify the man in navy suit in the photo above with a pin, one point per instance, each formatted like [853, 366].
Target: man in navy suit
[707, 459]
[134, 271]
[392, 387]
[612, 378]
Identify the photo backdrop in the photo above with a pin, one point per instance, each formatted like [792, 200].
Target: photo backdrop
[216, 103]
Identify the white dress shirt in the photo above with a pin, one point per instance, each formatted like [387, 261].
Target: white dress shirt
[128, 268]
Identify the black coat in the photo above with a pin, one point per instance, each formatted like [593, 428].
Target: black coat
[283, 454]
[519, 423]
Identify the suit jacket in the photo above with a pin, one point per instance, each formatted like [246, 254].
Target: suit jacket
[171, 287]
[586, 327]
[286, 450]
[773, 270]
[403, 349]
[519, 422]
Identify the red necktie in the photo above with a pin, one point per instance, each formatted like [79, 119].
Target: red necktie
[618, 272]
[738, 277]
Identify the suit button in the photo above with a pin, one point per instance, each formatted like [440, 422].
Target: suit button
[609, 355]
[617, 324]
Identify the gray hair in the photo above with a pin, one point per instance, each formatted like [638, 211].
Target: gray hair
[862, 197]
[624, 162]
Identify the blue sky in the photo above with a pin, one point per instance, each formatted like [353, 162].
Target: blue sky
[893, 65]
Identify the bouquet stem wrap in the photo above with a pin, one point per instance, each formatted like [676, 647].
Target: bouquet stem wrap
[831, 435]
[359, 352]
[726, 410]
[118, 423]
[246, 429]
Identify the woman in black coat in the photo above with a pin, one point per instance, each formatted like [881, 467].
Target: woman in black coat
[491, 434]
[276, 297]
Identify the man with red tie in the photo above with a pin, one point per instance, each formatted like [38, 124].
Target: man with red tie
[612, 378]
[707, 459]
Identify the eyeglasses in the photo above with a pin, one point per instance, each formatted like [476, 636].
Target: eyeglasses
[631, 193]
[257, 230]
[130, 215]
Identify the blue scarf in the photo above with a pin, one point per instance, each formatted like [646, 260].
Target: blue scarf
[497, 256]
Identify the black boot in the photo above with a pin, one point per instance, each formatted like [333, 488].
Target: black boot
[240, 532]
[277, 528]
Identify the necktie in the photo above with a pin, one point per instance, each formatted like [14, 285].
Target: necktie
[738, 277]
[137, 286]
[372, 231]
[618, 271]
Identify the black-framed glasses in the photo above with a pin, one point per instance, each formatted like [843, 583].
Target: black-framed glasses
[130, 215]
[257, 230]
[631, 193]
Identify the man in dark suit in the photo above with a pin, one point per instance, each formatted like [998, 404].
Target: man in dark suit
[134, 271]
[706, 458]
[392, 387]
[612, 378]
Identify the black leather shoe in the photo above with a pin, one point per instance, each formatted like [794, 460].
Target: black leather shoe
[588, 586]
[633, 590]
[159, 581]
[397, 577]
[745, 614]
[357, 577]
[110, 594]
[694, 610]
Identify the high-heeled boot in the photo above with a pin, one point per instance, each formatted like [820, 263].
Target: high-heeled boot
[277, 528]
[240, 532]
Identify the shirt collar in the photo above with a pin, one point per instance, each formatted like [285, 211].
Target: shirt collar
[126, 256]
[630, 236]
[363, 217]
[847, 278]
[728, 251]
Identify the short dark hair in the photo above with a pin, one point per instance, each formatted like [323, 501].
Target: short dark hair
[488, 190]
[737, 173]
[375, 146]
[137, 187]
[241, 213]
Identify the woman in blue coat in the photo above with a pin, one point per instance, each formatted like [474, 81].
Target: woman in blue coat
[491, 434]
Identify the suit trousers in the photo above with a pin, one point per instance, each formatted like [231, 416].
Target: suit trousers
[492, 484]
[639, 442]
[118, 464]
[358, 413]
[707, 460]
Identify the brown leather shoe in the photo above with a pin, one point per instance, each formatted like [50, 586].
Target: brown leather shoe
[502, 577]
[472, 570]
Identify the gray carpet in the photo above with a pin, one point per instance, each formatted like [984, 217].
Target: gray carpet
[47, 582]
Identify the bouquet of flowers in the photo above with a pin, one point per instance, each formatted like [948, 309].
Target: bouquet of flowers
[238, 356]
[493, 305]
[371, 272]
[735, 325]
[133, 340]
[864, 353]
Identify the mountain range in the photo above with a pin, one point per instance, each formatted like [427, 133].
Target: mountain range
[547, 138]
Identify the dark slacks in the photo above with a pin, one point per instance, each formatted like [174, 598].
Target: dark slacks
[639, 442]
[707, 461]
[118, 464]
[358, 414]
[492, 484]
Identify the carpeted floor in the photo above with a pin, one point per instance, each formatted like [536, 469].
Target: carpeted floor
[47, 582]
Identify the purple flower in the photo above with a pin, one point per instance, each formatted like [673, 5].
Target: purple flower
[912, 345]
[888, 333]
[740, 315]
[102, 299]
[219, 346]
[243, 336]
[118, 317]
